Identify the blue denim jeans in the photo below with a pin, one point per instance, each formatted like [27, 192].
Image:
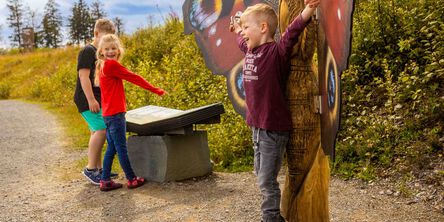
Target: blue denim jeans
[269, 148]
[116, 138]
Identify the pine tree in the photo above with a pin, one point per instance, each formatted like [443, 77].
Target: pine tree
[97, 12]
[80, 27]
[74, 25]
[15, 20]
[119, 26]
[52, 23]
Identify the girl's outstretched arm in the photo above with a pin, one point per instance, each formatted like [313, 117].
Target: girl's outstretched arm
[115, 69]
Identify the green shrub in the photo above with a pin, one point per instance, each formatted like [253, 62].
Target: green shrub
[393, 91]
[5, 90]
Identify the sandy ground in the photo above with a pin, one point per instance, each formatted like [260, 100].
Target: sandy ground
[40, 182]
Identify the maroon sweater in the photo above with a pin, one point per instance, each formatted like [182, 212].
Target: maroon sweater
[264, 73]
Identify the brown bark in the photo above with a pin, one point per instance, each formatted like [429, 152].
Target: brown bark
[305, 194]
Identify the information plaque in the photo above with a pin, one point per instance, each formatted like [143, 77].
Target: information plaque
[156, 120]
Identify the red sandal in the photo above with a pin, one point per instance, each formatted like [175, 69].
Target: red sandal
[136, 182]
[109, 185]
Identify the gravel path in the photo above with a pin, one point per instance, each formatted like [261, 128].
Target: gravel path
[40, 182]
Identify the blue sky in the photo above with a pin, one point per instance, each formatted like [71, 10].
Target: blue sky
[135, 14]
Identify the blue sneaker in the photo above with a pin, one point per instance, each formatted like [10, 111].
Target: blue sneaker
[111, 174]
[92, 175]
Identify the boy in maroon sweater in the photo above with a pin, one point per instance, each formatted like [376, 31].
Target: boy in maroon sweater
[265, 69]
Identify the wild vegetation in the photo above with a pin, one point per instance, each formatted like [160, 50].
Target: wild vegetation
[393, 92]
[393, 95]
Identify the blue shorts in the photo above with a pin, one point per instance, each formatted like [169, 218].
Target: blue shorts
[95, 120]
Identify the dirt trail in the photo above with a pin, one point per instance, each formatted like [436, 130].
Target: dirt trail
[35, 162]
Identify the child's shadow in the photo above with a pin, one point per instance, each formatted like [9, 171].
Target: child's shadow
[108, 206]
[156, 201]
[181, 200]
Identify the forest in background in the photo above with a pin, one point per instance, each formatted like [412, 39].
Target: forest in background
[392, 119]
[32, 29]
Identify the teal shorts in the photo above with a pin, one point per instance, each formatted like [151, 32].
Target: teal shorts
[95, 120]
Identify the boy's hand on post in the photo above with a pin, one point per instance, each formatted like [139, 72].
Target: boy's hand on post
[310, 8]
[312, 3]
[234, 24]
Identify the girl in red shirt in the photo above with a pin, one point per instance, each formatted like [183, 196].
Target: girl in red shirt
[110, 75]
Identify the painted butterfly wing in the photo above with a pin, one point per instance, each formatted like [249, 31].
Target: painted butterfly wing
[209, 21]
[334, 40]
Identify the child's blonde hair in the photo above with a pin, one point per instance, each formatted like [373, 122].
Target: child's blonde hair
[263, 13]
[106, 39]
[105, 26]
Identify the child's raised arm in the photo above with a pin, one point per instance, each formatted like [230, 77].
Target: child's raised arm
[310, 8]
[290, 36]
[234, 25]
[236, 28]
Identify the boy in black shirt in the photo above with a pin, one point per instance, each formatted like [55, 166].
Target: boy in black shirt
[87, 100]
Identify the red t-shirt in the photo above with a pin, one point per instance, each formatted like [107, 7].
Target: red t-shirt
[264, 73]
[111, 85]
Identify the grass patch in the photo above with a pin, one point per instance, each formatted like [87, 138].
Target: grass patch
[403, 187]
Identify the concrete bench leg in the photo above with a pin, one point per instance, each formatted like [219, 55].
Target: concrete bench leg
[170, 157]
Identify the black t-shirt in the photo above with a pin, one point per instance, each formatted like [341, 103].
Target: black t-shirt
[86, 60]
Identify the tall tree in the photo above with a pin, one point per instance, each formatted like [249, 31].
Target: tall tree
[52, 23]
[97, 12]
[119, 26]
[15, 20]
[79, 23]
[74, 25]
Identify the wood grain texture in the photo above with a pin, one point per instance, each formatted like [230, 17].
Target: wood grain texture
[305, 193]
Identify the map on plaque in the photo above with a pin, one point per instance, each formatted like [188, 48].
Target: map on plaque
[155, 120]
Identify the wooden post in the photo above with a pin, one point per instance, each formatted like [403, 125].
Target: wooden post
[305, 193]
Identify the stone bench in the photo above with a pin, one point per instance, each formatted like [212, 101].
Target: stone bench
[170, 157]
[166, 147]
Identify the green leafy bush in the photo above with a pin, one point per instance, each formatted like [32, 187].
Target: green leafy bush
[5, 91]
[393, 92]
